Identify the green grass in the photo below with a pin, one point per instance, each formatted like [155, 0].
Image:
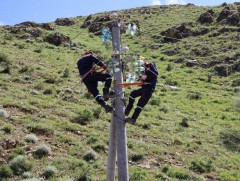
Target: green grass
[188, 133]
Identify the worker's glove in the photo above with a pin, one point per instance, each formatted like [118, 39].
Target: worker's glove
[144, 77]
[105, 67]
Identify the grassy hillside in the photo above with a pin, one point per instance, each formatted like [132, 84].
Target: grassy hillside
[51, 128]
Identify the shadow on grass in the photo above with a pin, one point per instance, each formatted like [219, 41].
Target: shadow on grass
[231, 140]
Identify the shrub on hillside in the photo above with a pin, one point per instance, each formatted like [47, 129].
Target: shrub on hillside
[195, 96]
[201, 166]
[26, 175]
[175, 173]
[236, 83]
[66, 73]
[7, 129]
[5, 171]
[3, 113]
[4, 58]
[171, 82]
[155, 101]
[169, 67]
[19, 165]
[18, 151]
[138, 174]
[48, 92]
[31, 138]
[5, 62]
[49, 172]
[8, 36]
[90, 156]
[137, 157]
[42, 151]
[237, 103]
[84, 117]
[97, 112]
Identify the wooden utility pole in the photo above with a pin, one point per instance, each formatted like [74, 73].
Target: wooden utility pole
[117, 129]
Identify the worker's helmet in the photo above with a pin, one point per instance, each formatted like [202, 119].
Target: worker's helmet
[88, 52]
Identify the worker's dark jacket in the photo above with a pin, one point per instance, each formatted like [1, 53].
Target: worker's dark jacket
[151, 72]
[85, 64]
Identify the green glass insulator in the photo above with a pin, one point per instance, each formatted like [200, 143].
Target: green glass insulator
[139, 69]
[117, 70]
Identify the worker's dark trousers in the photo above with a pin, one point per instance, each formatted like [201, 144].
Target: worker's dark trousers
[145, 94]
[91, 82]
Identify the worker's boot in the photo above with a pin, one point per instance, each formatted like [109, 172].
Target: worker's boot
[107, 108]
[130, 120]
[107, 94]
[133, 119]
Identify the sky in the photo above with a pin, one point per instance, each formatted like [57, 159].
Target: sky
[43, 11]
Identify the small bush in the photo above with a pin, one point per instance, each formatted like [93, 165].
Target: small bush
[169, 67]
[42, 129]
[184, 122]
[175, 173]
[155, 101]
[39, 86]
[19, 165]
[237, 89]
[97, 113]
[48, 92]
[38, 50]
[85, 116]
[49, 172]
[230, 175]
[7, 129]
[42, 150]
[18, 151]
[200, 166]
[8, 37]
[171, 82]
[26, 175]
[50, 80]
[195, 96]
[236, 83]
[4, 59]
[99, 147]
[5, 62]
[164, 109]
[21, 46]
[237, 103]
[90, 156]
[31, 138]
[66, 73]
[137, 157]
[138, 175]
[5, 171]
[87, 95]
[26, 69]
[224, 4]
[83, 177]
[146, 126]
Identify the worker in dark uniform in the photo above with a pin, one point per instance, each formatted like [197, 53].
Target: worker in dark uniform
[149, 79]
[86, 66]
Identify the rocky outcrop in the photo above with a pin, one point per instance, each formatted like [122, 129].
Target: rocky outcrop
[207, 17]
[229, 16]
[64, 22]
[57, 39]
[31, 29]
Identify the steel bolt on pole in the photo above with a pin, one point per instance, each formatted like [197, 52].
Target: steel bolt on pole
[117, 119]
